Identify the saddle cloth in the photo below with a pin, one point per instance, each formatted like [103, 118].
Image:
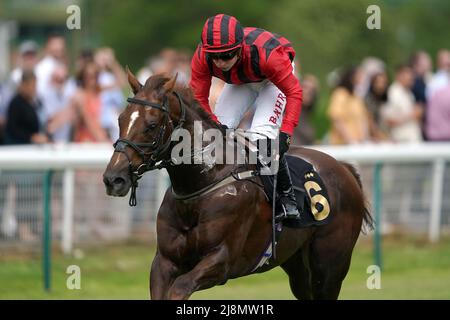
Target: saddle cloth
[310, 191]
[312, 200]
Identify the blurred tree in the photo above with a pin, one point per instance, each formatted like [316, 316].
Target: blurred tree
[326, 34]
[138, 29]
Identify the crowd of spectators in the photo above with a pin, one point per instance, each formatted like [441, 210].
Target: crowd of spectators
[365, 106]
[41, 101]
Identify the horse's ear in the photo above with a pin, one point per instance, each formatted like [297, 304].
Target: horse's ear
[133, 81]
[169, 85]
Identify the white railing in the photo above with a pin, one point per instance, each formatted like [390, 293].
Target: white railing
[436, 153]
[86, 156]
[66, 158]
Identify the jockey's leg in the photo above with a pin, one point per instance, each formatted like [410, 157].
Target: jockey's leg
[266, 123]
[286, 190]
[233, 102]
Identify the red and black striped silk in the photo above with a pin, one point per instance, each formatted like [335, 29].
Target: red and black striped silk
[264, 55]
[221, 33]
[257, 46]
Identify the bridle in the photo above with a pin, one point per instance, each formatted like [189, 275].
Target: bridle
[157, 148]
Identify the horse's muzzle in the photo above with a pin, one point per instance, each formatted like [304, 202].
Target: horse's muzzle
[117, 184]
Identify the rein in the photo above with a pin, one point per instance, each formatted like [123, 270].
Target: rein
[150, 158]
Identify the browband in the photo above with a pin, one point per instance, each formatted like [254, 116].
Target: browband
[147, 103]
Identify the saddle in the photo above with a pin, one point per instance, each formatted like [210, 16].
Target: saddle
[310, 191]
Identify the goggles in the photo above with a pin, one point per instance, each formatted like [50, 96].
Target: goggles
[225, 56]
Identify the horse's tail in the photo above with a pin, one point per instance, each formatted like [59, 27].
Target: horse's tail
[368, 223]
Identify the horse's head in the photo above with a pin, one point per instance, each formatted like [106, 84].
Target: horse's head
[145, 128]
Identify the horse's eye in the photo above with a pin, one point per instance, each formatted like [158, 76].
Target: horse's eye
[150, 127]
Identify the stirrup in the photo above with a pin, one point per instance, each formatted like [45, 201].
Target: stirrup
[293, 213]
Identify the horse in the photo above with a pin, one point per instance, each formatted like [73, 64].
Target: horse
[205, 238]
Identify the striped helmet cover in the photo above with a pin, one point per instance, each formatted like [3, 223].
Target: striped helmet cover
[221, 33]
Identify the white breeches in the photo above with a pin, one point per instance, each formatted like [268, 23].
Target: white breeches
[264, 97]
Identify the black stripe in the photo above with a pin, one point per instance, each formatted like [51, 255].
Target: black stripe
[254, 56]
[238, 32]
[210, 65]
[252, 36]
[242, 76]
[224, 29]
[227, 76]
[269, 45]
[209, 32]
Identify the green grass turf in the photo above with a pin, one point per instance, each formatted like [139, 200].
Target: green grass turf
[413, 269]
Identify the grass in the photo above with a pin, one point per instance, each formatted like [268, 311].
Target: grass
[413, 269]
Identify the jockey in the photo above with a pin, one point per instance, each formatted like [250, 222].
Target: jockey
[257, 67]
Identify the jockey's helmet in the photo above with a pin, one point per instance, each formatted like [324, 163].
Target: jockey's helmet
[221, 33]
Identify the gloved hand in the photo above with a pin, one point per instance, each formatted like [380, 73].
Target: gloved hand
[284, 142]
[223, 128]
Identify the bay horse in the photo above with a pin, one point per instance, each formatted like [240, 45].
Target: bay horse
[205, 240]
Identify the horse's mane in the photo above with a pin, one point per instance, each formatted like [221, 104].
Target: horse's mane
[192, 103]
[157, 81]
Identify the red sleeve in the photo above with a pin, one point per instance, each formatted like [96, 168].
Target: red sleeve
[279, 71]
[201, 80]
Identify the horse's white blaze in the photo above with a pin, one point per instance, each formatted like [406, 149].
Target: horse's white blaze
[133, 118]
[118, 158]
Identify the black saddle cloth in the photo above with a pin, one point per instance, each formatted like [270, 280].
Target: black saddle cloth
[310, 192]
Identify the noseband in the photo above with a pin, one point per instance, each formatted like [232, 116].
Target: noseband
[157, 147]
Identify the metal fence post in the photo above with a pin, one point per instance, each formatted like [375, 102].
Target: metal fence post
[68, 201]
[47, 231]
[377, 202]
[436, 200]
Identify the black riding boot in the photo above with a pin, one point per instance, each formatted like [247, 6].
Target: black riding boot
[286, 190]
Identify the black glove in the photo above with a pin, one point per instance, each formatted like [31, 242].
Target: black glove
[284, 143]
[223, 128]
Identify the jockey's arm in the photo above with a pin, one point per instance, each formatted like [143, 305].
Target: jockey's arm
[201, 83]
[280, 72]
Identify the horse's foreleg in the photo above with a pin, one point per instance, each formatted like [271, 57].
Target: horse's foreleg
[210, 271]
[162, 275]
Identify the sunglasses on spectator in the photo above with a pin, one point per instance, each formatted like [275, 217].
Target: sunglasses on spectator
[225, 56]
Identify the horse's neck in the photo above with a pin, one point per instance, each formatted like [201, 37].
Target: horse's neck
[190, 177]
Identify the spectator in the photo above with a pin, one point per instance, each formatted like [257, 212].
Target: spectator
[146, 71]
[86, 107]
[84, 57]
[55, 53]
[369, 67]
[112, 79]
[421, 65]
[442, 76]
[27, 61]
[22, 125]
[401, 114]
[304, 134]
[375, 100]
[348, 114]
[56, 103]
[438, 116]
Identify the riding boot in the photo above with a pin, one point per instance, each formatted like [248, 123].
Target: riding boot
[286, 190]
